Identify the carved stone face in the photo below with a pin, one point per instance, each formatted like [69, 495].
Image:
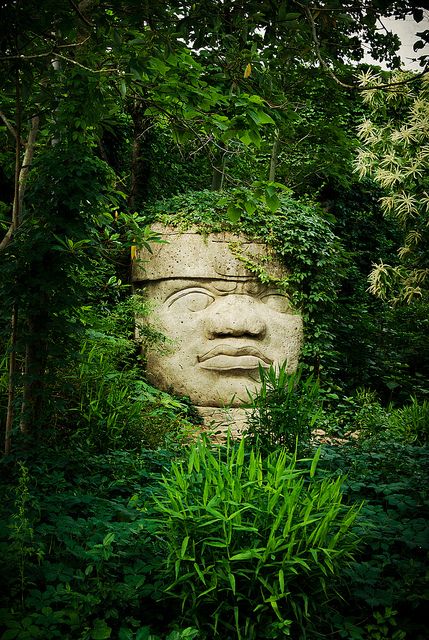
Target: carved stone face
[221, 321]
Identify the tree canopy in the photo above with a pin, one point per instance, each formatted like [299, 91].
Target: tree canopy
[107, 105]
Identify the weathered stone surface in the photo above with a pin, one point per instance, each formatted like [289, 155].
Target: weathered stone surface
[219, 421]
[188, 254]
[221, 321]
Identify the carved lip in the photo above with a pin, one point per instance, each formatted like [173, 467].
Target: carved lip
[227, 357]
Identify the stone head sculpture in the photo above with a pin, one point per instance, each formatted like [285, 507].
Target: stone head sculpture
[221, 321]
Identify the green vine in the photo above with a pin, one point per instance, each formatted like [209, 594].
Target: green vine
[301, 239]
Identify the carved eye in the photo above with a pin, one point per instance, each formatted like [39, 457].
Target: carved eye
[191, 300]
[277, 302]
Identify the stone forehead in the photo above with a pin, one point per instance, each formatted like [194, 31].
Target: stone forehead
[188, 254]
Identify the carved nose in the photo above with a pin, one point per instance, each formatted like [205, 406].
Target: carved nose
[235, 315]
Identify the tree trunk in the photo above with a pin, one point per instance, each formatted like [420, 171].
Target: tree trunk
[36, 351]
[11, 382]
[9, 236]
[218, 172]
[21, 174]
[139, 165]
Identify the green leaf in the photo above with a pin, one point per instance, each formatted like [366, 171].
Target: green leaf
[184, 546]
[108, 539]
[136, 73]
[234, 213]
[246, 555]
[246, 138]
[101, 630]
[273, 202]
[10, 634]
[159, 65]
[419, 45]
[260, 117]
[315, 461]
[199, 572]
[214, 543]
[250, 207]
[231, 578]
[282, 580]
[122, 88]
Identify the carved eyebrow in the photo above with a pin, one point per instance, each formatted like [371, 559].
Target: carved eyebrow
[170, 286]
[275, 292]
[179, 293]
[217, 287]
[224, 286]
[252, 287]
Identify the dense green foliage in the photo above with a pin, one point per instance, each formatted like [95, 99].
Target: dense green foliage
[82, 555]
[252, 542]
[389, 577]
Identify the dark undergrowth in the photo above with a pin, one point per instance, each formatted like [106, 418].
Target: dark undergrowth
[86, 552]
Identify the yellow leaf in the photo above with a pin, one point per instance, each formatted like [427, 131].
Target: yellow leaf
[133, 252]
[248, 70]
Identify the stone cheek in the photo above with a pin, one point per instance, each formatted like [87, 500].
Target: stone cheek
[220, 321]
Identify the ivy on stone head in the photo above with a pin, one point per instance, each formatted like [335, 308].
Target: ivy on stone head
[300, 236]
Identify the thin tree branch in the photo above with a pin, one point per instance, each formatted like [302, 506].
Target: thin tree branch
[80, 14]
[9, 126]
[15, 208]
[11, 381]
[28, 158]
[22, 174]
[329, 71]
[54, 54]
[84, 5]
[7, 238]
[34, 55]
[395, 84]
[73, 44]
[322, 62]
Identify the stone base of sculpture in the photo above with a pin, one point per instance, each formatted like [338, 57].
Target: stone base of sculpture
[220, 421]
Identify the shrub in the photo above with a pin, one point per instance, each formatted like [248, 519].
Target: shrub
[363, 414]
[106, 402]
[252, 543]
[77, 559]
[284, 411]
[387, 582]
[410, 424]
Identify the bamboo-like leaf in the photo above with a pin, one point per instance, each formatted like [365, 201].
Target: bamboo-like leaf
[184, 546]
[315, 462]
[247, 555]
[231, 578]
[191, 461]
[275, 607]
[240, 454]
[211, 588]
[206, 492]
[219, 544]
[199, 573]
[281, 576]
